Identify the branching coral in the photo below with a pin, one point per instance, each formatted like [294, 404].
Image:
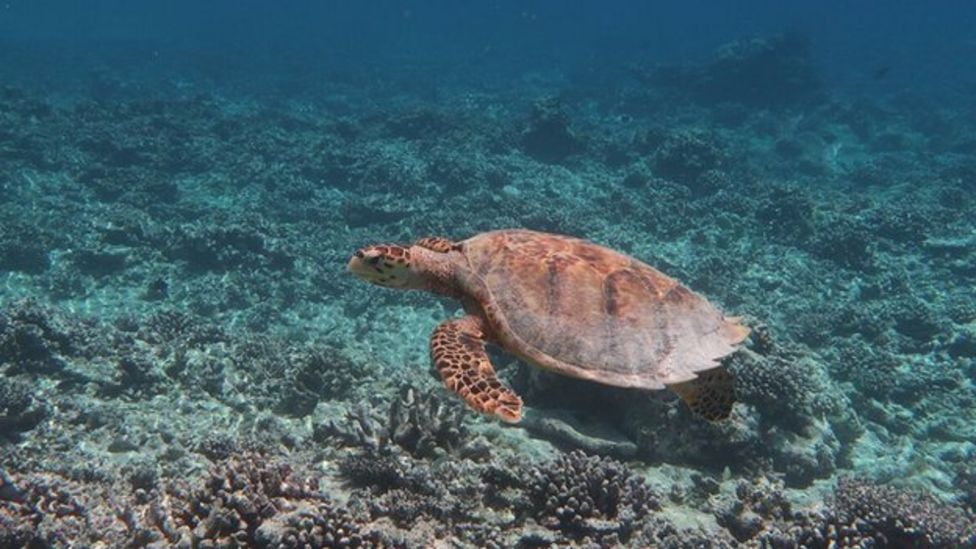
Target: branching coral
[447, 496]
[293, 378]
[755, 503]
[781, 385]
[589, 496]
[865, 514]
[226, 248]
[548, 137]
[781, 63]
[250, 501]
[31, 340]
[684, 156]
[179, 329]
[422, 424]
[45, 511]
[19, 410]
[246, 501]
[902, 518]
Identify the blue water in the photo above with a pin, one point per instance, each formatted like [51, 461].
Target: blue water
[187, 360]
[928, 47]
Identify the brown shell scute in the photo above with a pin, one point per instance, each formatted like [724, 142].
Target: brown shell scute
[591, 312]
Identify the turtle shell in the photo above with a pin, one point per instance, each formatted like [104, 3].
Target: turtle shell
[590, 312]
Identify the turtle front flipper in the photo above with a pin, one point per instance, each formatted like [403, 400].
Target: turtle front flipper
[710, 395]
[457, 348]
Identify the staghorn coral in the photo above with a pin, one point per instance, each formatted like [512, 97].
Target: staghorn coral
[916, 319]
[962, 309]
[813, 530]
[873, 373]
[382, 472]
[785, 213]
[218, 446]
[788, 390]
[571, 500]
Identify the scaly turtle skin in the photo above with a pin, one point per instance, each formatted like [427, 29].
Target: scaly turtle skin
[566, 305]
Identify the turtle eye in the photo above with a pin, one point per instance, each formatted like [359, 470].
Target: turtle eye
[374, 261]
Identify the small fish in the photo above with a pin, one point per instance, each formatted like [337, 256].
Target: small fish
[881, 72]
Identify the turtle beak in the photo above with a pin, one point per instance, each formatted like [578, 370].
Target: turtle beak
[357, 265]
[365, 264]
[385, 265]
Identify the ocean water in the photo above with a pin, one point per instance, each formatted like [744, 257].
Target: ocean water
[188, 361]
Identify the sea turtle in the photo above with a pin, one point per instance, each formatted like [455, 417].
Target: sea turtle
[568, 306]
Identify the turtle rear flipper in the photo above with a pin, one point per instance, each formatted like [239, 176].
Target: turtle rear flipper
[710, 395]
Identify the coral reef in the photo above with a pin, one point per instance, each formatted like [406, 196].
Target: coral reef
[868, 515]
[225, 248]
[686, 156]
[184, 361]
[770, 72]
[782, 386]
[293, 378]
[30, 341]
[20, 411]
[23, 249]
[589, 497]
[751, 508]
[897, 517]
[45, 512]
[548, 137]
[178, 329]
[571, 500]
[248, 500]
[965, 478]
[421, 424]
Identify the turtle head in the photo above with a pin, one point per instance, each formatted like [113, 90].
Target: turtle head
[387, 265]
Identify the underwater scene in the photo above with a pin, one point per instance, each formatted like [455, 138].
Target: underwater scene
[496, 274]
